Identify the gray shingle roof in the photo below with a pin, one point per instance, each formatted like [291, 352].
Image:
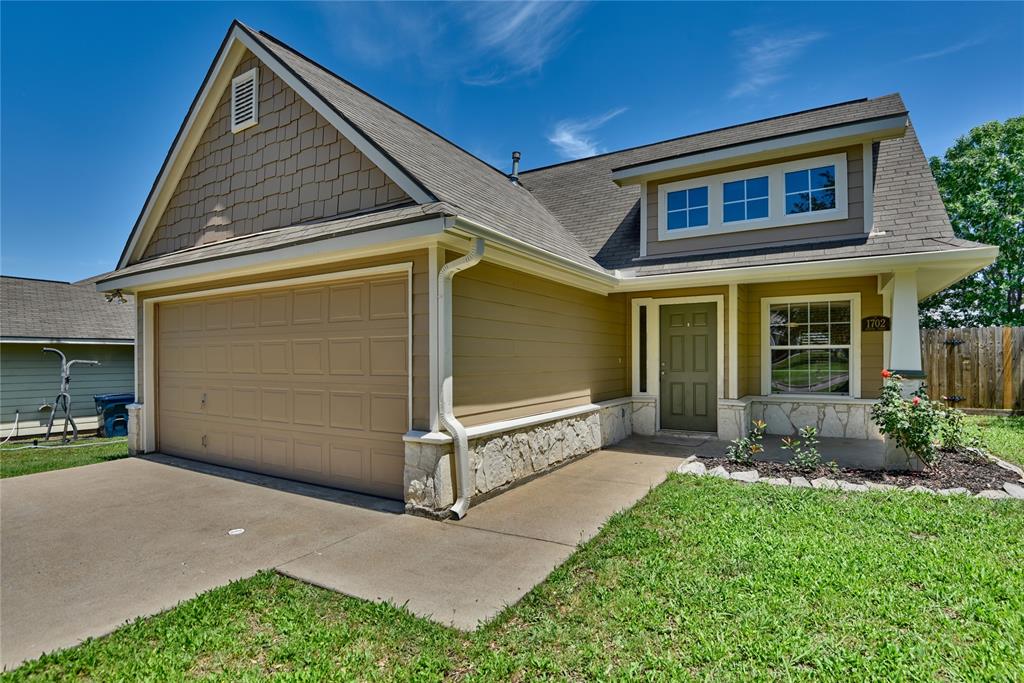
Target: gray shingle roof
[606, 217]
[45, 309]
[286, 237]
[478, 191]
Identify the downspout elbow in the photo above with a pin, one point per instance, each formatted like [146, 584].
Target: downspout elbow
[446, 408]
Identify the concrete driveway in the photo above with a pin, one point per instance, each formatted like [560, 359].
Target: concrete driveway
[86, 549]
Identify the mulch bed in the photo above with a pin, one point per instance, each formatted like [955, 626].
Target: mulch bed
[952, 469]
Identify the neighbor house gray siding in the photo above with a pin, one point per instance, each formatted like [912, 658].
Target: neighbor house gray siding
[31, 379]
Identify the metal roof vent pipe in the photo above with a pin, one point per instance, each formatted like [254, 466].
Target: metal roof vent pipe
[514, 175]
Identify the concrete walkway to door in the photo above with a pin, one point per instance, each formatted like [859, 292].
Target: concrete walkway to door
[86, 549]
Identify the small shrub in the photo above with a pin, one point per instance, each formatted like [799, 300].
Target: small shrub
[806, 457]
[743, 450]
[952, 430]
[912, 423]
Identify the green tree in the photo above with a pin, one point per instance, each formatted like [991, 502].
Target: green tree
[981, 181]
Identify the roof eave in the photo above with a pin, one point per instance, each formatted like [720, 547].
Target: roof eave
[867, 130]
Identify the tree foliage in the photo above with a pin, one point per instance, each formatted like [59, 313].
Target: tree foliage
[981, 181]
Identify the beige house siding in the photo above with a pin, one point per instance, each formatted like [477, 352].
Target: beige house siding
[523, 345]
[871, 342]
[722, 291]
[813, 232]
[420, 314]
[291, 167]
[30, 378]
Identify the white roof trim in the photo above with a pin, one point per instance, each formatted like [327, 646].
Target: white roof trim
[215, 85]
[837, 136]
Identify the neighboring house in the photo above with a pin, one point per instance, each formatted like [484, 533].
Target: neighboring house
[313, 302]
[80, 322]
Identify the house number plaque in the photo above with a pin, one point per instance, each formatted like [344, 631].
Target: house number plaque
[876, 323]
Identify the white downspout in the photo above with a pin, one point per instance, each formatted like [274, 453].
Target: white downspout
[446, 408]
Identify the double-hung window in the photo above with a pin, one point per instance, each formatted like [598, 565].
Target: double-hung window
[687, 208]
[745, 200]
[811, 189]
[811, 346]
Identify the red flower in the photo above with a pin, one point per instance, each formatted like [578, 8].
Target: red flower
[886, 374]
[917, 400]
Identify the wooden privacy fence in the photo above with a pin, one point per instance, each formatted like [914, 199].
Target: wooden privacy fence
[976, 367]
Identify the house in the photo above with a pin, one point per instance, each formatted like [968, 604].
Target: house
[75, 319]
[331, 292]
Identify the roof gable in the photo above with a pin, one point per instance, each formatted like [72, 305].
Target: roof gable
[292, 166]
[237, 44]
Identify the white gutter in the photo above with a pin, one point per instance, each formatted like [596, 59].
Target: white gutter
[446, 409]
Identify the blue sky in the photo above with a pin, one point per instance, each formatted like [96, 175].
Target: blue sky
[92, 94]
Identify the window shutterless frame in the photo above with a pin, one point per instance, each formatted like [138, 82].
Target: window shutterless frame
[853, 298]
[777, 216]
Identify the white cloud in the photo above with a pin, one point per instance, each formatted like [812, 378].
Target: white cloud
[948, 50]
[482, 43]
[572, 139]
[764, 55]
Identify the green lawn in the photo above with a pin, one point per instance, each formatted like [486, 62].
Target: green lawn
[1003, 436]
[704, 579]
[14, 462]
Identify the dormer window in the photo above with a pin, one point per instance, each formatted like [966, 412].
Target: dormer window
[688, 208]
[795, 192]
[812, 189]
[745, 200]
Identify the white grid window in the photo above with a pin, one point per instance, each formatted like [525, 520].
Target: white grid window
[810, 345]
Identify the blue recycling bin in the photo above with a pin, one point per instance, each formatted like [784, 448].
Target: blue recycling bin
[113, 412]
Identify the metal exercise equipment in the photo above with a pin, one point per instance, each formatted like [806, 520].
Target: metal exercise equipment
[63, 400]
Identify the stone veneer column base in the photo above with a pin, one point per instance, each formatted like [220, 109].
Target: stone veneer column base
[849, 419]
[500, 459]
[136, 439]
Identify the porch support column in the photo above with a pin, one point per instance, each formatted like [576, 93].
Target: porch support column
[905, 338]
[904, 355]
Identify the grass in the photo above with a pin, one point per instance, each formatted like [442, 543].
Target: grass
[703, 580]
[14, 463]
[1003, 436]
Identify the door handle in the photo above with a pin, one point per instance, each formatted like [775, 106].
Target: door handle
[662, 373]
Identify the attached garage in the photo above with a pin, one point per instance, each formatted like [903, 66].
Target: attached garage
[308, 382]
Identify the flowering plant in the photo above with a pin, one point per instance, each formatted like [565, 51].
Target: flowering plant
[912, 423]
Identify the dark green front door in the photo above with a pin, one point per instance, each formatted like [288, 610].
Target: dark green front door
[689, 376]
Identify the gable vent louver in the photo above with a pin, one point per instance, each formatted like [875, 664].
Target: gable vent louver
[245, 100]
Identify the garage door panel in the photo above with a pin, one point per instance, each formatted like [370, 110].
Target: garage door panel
[243, 312]
[309, 383]
[389, 355]
[388, 300]
[348, 410]
[218, 401]
[345, 356]
[245, 403]
[243, 357]
[309, 407]
[274, 357]
[345, 303]
[274, 405]
[310, 456]
[274, 309]
[309, 356]
[388, 413]
[309, 306]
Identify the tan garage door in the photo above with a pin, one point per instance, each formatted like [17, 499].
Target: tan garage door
[308, 383]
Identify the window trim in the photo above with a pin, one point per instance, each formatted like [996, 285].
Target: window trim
[855, 346]
[777, 216]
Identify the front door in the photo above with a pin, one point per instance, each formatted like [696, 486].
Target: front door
[689, 373]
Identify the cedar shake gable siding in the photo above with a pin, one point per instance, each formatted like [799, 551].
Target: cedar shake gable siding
[292, 167]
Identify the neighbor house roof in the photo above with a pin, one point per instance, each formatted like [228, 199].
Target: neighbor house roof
[52, 310]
